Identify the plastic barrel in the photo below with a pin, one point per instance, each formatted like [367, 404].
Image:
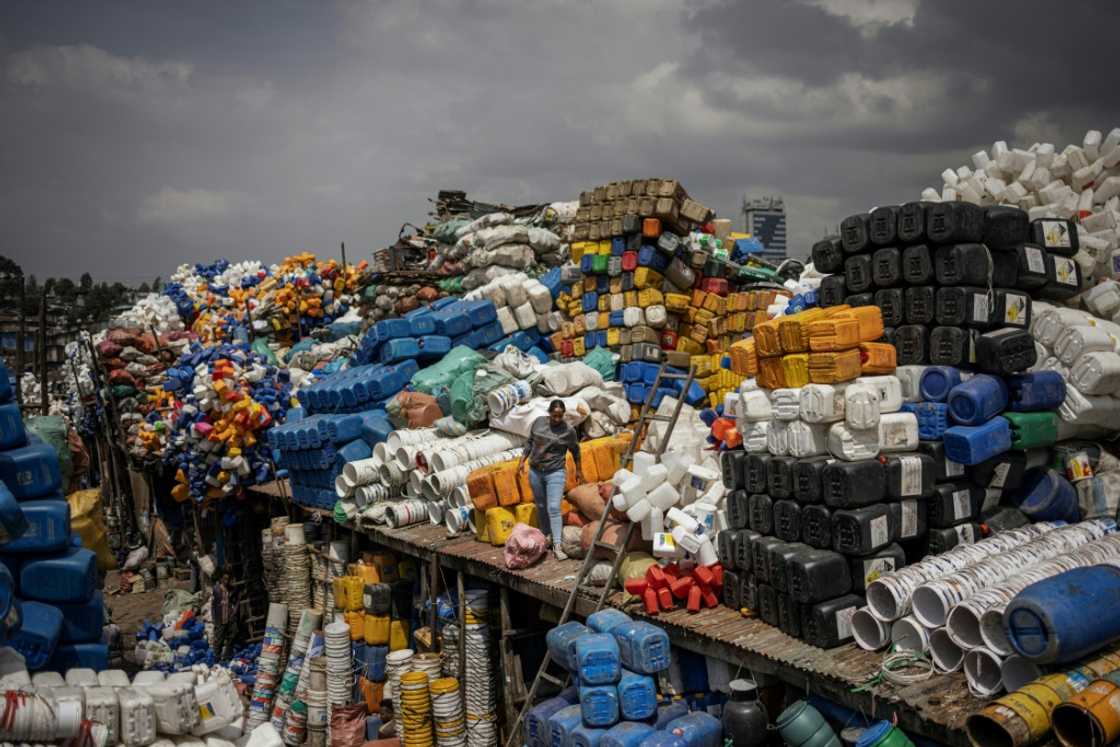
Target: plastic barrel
[1048, 496]
[977, 400]
[801, 725]
[1047, 622]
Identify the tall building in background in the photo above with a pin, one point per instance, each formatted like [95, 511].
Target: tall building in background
[764, 218]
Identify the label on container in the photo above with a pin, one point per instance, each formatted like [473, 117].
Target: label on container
[909, 521]
[1065, 271]
[876, 567]
[953, 469]
[1035, 260]
[879, 533]
[911, 475]
[962, 504]
[965, 533]
[999, 475]
[1078, 467]
[1014, 309]
[1055, 234]
[991, 499]
[844, 622]
[980, 310]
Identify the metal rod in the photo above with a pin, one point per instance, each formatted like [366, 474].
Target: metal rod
[21, 339]
[42, 352]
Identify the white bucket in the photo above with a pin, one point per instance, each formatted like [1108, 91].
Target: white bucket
[293, 535]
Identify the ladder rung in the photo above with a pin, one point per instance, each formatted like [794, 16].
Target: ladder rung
[658, 419]
[606, 546]
[549, 678]
[668, 375]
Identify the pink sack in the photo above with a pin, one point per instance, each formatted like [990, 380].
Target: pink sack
[524, 547]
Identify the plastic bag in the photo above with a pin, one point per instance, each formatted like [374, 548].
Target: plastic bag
[567, 378]
[87, 520]
[524, 546]
[348, 725]
[54, 431]
[516, 363]
[588, 500]
[469, 390]
[519, 420]
[571, 542]
[603, 361]
[460, 359]
[634, 566]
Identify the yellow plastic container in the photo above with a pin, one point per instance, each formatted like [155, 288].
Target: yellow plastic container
[481, 533]
[526, 513]
[837, 333]
[834, 368]
[398, 635]
[338, 589]
[795, 369]
[767, 341]
[354, 587]
[357, 623]
[676, 302]
[377, 630]
[878, 358]
[499, 524]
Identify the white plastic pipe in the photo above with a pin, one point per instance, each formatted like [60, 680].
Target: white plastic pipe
[907, 634]
[982, 670]
[946, 654]
[870, 633]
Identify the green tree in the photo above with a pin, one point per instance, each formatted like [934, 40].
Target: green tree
[86, 282]
[144, 288]
[65, 288]
[157, 284]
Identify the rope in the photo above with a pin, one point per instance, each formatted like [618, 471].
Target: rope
[899, 668]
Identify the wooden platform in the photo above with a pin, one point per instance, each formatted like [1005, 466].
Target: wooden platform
[936, 708]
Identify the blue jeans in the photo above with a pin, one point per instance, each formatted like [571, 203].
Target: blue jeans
[548, 491]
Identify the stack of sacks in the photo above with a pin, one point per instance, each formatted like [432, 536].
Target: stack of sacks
[615, 661]
[500, 497]
[1081, 183]
[501, 240]
[522, 302]
[51, 609]
[953, 608]
[225, 397]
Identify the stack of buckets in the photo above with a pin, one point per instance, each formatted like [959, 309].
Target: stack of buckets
[416, 710]
[51, 610]
[268, 665]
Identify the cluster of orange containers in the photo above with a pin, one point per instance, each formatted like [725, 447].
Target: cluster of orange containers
[820, 346]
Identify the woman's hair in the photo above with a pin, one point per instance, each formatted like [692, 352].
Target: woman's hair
[557, 404]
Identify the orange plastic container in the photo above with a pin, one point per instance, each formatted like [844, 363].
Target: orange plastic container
[480, 485]
[744, 358]
[877, 357]
[506, 487]
[770, 373]
[837, 333]
[767, 342]
[834, 368]
[793, 330]
[870, 320]
[795, 369]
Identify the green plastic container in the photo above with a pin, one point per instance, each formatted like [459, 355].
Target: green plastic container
[1032, 429]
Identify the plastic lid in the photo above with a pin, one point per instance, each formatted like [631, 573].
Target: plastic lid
[743, 689]
[874, 733]
[1027, 632]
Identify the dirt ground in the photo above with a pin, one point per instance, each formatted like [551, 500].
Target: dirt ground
[130, 610]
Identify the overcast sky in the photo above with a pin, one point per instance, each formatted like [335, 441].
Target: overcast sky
[138, 135]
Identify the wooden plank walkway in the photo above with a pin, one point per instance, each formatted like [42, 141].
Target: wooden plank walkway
[936, 708]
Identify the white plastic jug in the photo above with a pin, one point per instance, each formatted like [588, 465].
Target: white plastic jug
[138, 717]
[822, 403]
[103, 707]
[218, 704]
[175, 706]
[898, 431]
[852, 444]
[861, 406]
[785, 404]
[890, 391]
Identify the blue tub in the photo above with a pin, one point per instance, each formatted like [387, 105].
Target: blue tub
[637, 696]
[643, 648]
[597, 659]
[599, 705]
[31, 471]
[70, 576]
[38, 635]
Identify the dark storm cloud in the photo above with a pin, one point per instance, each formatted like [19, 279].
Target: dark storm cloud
[138, 135]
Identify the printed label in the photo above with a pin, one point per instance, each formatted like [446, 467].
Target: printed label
[953, 469]
[992, 498]
[844, 622]
[999, 475]
[1078, 467]
[962, 505]
[1055, 234]
[1015, 309]
[1065, 271]
[980, 307]
[205, 711]
[1035, 260]
[873, 569]
[879, 534]
[965, 534]
[909, 519]
[911, 475]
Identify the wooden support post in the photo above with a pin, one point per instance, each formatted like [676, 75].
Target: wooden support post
[462, 674]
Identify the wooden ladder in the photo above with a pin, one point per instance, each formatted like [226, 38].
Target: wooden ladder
[616, 553]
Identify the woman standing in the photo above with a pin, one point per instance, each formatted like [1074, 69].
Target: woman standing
[550, 439]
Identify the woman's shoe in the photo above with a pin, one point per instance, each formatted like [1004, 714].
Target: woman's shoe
[560, 554]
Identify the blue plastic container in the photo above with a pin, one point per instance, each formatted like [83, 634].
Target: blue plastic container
[561, 642]
[13, 522]
[5, 384]
[977, 400]
[933, 418]
[643, 648]
[937, 381]
[698, 729]
[480, 312]
[70, 576]
[1048, 496]
[970, 445]
[599, 705]
[662, 738]
[433, 347]
[562, 723]
[1035, 392]
[7, 590]
[606, 619]
[451, 322]
[47, 526]
[375, 662]
[536, 721]
[12, 433]
[626, 734]
[30, 471]
[38, 635]
[355, 451]
[637, 696]
[670, 711]
[421, 324]
[1052, 621]
[373, 727]
[586, 736]
[399, 350]
[597, 659]
[92, 655]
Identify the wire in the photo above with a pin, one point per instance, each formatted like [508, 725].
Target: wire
[906, 668]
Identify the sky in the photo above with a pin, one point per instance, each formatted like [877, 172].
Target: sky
[140, 134]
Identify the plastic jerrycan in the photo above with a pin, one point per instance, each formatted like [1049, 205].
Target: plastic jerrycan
[70, 576]
[47, 525]
[30, 471]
